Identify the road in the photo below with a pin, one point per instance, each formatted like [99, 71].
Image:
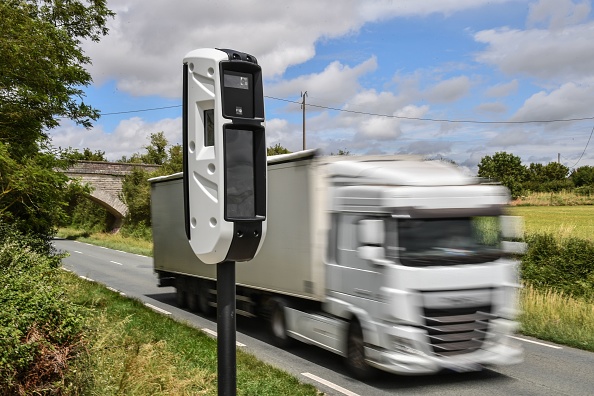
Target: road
[548, 369]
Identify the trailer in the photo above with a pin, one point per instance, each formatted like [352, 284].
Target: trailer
[393, 262]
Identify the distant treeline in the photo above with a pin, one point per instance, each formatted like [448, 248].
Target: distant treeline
[521, 180]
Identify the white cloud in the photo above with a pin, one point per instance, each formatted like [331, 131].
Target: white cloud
[565, 55]
[501, 90]
[491, 107]
[558, 13]
[330, 87]
[129, 137]
[148, 38]
[570, 100]
[449, 90]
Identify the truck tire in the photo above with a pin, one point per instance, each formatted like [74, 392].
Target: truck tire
[193, 302]
[204, 300]
[181, 297]
[355, 358]
[278, 325]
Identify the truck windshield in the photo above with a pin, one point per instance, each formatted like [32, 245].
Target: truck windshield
[447, 241]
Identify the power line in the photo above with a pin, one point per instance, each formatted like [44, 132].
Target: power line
[579, 159]
[434, 119]
[378, 114]
[140, 110]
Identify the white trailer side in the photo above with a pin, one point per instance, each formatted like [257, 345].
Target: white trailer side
[291, 259]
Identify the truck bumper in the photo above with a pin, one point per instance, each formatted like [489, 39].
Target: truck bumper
[409, 354]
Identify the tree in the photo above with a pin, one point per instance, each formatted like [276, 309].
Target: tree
[553, 171]
[86, 155]
[583, 176]
[42, 75]
[276, 150]
[42, 65]
[342, 152]
[156, 152]
[505, 168]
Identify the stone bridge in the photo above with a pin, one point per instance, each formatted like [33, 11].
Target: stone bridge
[106, 178]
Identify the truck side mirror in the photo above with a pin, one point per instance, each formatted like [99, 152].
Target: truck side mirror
[371, 232]
[512, 229]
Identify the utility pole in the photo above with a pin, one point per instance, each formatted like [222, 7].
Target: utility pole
[558, 158]
[303, 95]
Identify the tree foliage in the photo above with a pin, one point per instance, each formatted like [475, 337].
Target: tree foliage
[43, 66]
[40, 331]
[136, 188]
[276, 150]
[583, 176]
[42, 73]
[505, 168]
[85, 155]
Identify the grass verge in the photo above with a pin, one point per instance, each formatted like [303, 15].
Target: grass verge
[552, 316]
[112, 241]
[132, 350]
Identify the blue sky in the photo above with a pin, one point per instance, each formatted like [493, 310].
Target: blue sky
[473, 60]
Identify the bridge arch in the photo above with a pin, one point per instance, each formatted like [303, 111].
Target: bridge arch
[105, 179]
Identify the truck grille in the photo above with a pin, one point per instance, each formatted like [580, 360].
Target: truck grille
[457, 331]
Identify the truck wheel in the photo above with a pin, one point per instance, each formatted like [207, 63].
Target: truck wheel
[355, 358]
[278, 325]
[180, 297]
[192, 302]
[204, 300]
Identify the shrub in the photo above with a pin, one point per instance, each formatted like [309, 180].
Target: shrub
[39, 329]
[565, 265]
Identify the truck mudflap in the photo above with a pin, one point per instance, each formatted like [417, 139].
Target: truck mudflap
[405, 357]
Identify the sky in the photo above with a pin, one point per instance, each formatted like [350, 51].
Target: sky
[451, 79]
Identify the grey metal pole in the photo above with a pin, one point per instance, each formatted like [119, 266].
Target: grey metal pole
[226, 329]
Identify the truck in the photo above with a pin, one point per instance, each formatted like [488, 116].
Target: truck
[392, 262]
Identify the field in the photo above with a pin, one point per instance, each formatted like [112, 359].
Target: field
[561, 221]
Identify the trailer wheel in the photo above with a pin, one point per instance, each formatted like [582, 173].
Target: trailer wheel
[181, 297]
[278, 325]
[355, 358]
[193, 302]
[204, 300]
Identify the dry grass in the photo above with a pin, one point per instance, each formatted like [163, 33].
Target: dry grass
[562, 198]
[552, 316]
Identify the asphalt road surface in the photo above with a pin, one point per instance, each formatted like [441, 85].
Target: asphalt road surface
[548, 369]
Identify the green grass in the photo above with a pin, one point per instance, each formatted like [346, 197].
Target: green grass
[552, 316]
[561, 221]
[112, 241]
[132, 350]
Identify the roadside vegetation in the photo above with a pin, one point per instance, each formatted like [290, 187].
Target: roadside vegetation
[131, 350]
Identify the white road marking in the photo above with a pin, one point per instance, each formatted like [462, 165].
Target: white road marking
[330, 384]
[85, 278]
[214, 334]
[76, 251]
[536, 342]
[112, 289]
[157, 309]
[115, 262]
